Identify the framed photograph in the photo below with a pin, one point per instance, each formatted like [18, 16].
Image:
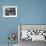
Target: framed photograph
[9, 11]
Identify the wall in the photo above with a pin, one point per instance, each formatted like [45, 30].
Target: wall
[29, 12]
[32, 11]
[7, 25]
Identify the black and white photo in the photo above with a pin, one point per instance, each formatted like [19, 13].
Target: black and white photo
[9, 11]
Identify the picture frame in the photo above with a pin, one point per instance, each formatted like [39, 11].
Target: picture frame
[9, 11]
